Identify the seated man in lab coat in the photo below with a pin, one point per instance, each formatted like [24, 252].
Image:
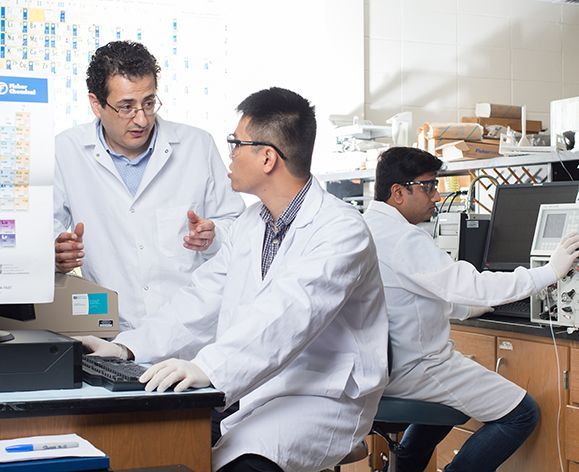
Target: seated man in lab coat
[288, 317]
[147, 200]
[424, 288]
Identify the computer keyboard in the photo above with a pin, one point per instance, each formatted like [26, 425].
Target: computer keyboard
[518, 309]
[112, 373]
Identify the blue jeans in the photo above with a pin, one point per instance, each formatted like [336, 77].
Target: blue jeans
[485, 450]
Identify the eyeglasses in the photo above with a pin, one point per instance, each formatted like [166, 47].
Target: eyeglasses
[428, 186]
[149, 107]
[235, 143]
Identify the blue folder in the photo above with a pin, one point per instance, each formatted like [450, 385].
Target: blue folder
[60, 464]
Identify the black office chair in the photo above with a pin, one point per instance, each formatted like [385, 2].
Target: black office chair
[396, 414]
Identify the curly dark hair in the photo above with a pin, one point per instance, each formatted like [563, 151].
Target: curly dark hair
[126, 58]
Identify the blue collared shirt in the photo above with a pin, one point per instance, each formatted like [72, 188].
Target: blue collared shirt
[130, 170]
[275, 231]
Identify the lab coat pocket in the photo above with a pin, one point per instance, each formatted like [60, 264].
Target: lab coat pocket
[171, 227]
[325, 376]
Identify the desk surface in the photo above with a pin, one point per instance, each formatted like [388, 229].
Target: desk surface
[90, 399]
[516, 325]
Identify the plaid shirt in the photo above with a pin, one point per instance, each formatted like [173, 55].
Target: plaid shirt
[275, 231]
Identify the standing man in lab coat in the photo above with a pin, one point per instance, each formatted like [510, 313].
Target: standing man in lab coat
[424, 288]
[147, 200]
[288, 318]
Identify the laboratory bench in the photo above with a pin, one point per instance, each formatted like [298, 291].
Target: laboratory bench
[135, 429]
[522, 352]
[525, 353]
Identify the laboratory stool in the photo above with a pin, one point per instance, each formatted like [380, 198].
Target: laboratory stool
[359, 452]
[396, 414]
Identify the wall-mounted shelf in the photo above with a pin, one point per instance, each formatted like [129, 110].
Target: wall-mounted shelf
[366, 174]
[463, 167]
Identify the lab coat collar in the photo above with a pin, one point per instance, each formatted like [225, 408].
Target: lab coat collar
[309, 209]
[90, 139]
[391, 212]
[385, 209]
[310, 205]
[161, 154]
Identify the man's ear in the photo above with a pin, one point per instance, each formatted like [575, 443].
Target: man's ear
[397, 193]
[270, 159]
[95, 105]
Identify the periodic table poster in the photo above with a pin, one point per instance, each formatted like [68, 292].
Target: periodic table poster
[26, 171]
[212, 53]
[57, 39]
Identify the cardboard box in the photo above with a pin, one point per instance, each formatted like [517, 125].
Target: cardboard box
[533, 126]
[434, 146]
[468, 150]
[488, 110]
[456, 131]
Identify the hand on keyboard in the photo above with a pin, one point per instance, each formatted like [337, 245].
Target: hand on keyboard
[183, 374]
[475, 311]
[100, 347]
[112, 373]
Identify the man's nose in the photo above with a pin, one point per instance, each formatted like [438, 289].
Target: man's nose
[140, 118]
[436, 196]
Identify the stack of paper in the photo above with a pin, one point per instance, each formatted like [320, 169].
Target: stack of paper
[62, 452]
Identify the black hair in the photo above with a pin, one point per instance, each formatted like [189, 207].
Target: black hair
[285, 119]
[398, 165]
[126, 58]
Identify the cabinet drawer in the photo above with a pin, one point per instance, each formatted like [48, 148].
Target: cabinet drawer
[572, 433]
[479, 347]
[450, 446]
[573, 467]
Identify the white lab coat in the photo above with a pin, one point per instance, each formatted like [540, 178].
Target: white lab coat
[424, 288]
[134, 245]
[304, 350]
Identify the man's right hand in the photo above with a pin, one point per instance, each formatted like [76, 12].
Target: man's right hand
[68, 249]
[100, 347]
[565, 254]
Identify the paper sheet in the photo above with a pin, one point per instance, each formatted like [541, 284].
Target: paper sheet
[26, 172]
[84, 449]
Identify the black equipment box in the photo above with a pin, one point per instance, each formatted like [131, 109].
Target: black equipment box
[40, 360]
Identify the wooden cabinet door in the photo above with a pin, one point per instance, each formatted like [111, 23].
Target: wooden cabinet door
[478, 347]
[448, 448]
[376, 447]
[574, 377]
[533, 366]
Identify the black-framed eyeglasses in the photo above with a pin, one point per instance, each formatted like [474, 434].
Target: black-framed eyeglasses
[428, 186]
[235, 143]
[149, 107]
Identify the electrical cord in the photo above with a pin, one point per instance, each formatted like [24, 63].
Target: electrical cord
[444, 201]
[453, 195]
[456, 194]
[563, 165]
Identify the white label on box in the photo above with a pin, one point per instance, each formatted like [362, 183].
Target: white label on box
[80, 303]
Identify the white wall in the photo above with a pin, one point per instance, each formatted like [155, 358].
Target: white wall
[438, 58]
